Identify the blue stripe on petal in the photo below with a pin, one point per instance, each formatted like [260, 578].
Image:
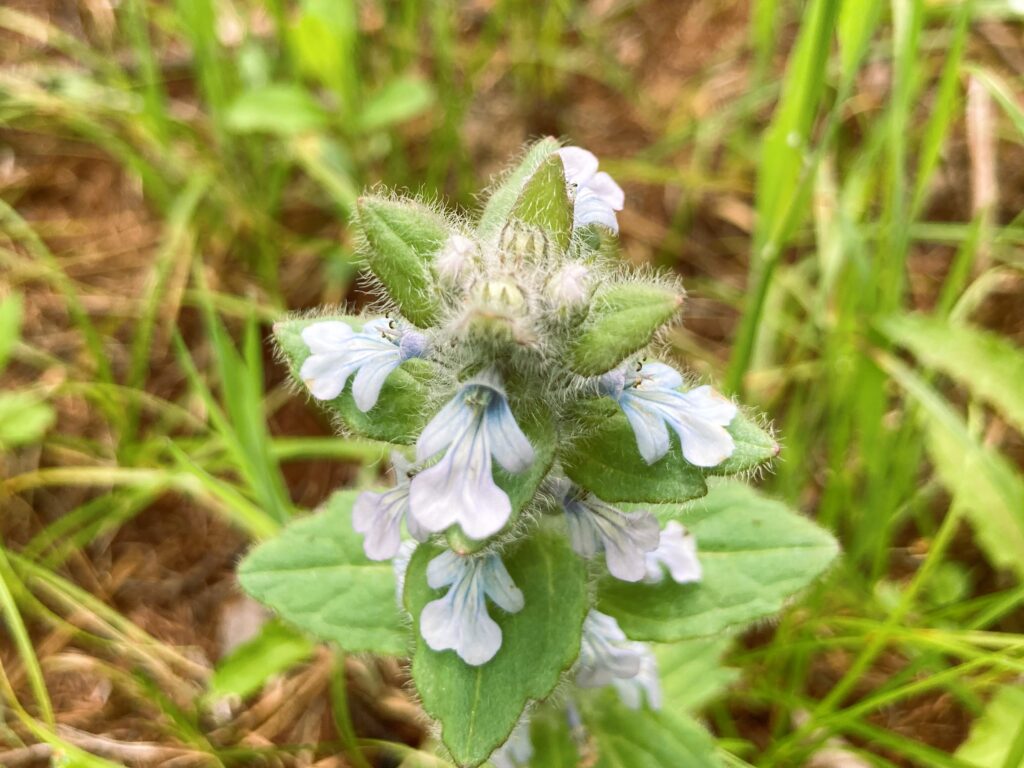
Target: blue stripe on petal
[498, 585]
[460, 489]
[444, 429]
[509, 445]
[378, 516]
[445, 569]
[459, 621]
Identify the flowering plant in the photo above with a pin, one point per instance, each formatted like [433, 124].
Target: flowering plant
[556, 502]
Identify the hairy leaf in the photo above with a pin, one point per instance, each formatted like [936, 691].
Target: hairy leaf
[755, 447]
[402, 239]
[403, 408]
[502, 200]
[755, 553]
[315, 575]
[996, 732]
[479, 706]
[607, 462]
[691, 672]
[623, 319]
[545, 203]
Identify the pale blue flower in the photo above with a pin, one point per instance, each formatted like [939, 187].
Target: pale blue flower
[652, 402]
[474, 426]
[338, 352]
[596, 526]
[676, 551]
[644, 685]
[608, 657]
[459, 621]
[379, 516]
[518, 750]
[597, 196]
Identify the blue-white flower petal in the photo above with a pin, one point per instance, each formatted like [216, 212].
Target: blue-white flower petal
[371, 377]
[459, 621]
[445, 428]
[461, 489]
[508, 443]
[445, 569]
[605, 653]
[644, 685]
[499, 586]
[591, 208]
[625, 537]
[655, 374]
[652, 437]
[476, 425]
[337, 352]
[378, 516]
[676, 551]
[652, 403]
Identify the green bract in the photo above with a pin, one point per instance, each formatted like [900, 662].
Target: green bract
[556, 498]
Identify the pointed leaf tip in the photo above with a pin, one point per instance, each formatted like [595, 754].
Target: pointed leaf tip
[623, 319]
[402, 238]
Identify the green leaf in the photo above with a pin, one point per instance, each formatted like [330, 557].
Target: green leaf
[10, 326]
[995, 734]
[402, 409]
[522, 487]
[691, 672]
[989, 366]
[275, 649]
[315, 575]
[552, 741]
[786, 142]
[754, 448]
[402, 239]
[282, 110]
[623, 319]
[479, 706]
[401, 99]
[24, 418]
[323, 41]
[606, 461]
[755, 553]
[503, 199]
[984, 483]
[628, 738]
[544, 202]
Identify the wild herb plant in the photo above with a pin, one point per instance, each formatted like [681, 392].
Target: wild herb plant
[542, 521]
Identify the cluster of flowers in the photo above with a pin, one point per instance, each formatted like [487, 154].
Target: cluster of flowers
[451, 480]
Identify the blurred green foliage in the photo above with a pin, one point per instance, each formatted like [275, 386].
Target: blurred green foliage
[875, 324]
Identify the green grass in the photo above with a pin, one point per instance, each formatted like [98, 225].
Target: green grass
[864, 325]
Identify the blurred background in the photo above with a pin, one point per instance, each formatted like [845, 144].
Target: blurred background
[838, 183]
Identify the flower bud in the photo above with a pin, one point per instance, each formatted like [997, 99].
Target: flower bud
[457, 258]
[569, 287]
